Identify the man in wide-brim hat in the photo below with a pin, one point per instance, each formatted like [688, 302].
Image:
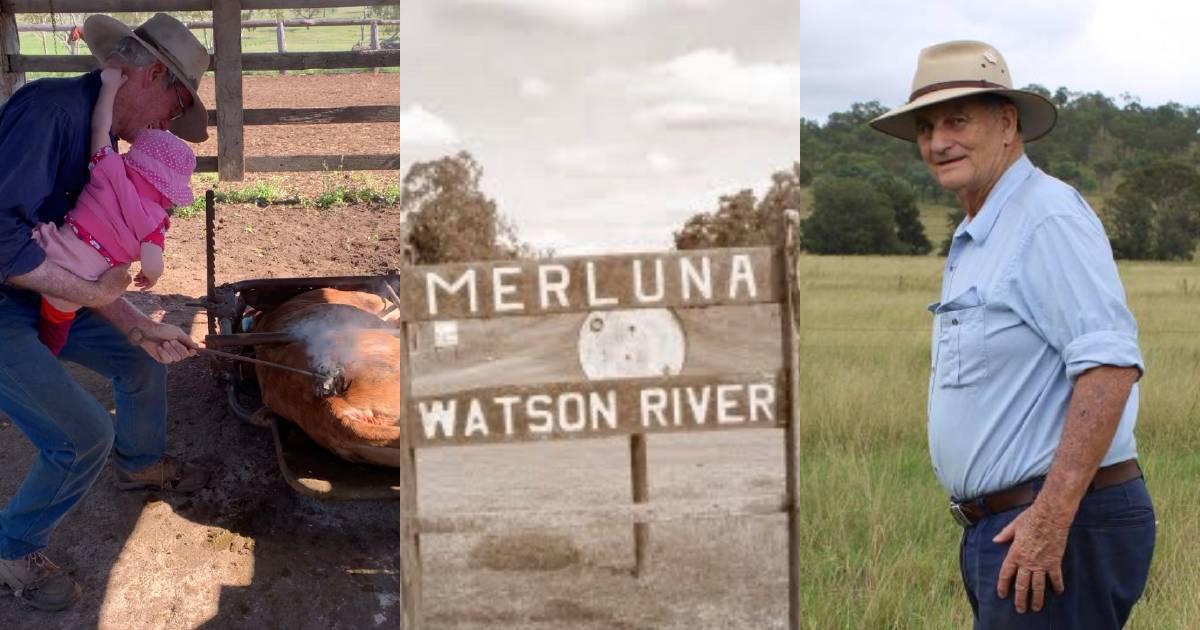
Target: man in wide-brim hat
[45, 138]
[1033, 395]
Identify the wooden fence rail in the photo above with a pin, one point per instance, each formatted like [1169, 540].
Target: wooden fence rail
[228, 62]
[193, 24]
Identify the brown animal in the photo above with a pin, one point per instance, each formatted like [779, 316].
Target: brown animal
[337, 330]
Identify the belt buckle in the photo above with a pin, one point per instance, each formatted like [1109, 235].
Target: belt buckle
[959, 515]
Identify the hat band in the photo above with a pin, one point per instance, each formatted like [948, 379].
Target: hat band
[945, 85]
[150, 41]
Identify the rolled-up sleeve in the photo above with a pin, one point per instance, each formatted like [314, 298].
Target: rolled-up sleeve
[1073, 296]
[29, 163]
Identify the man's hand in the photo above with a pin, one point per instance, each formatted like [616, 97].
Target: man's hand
[1039, 540]
[163, 342]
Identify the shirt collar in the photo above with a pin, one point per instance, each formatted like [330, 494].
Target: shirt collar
[979, 227]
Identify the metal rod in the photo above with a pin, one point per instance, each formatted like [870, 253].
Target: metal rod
[238, 357]
[229, 340]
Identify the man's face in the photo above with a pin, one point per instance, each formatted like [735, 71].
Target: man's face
[144, 101]
[964, 142]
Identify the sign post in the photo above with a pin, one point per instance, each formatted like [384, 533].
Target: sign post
[632, 348]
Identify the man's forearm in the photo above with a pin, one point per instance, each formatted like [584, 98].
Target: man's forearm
[122, 315]
[50, 278]
[1097, 403]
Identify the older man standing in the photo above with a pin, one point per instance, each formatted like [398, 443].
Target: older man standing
[1033, 395]
[44, 145]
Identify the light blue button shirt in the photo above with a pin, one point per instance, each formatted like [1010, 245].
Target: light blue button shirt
[1031, 299]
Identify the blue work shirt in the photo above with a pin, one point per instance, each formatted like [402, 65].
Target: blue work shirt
[45, 138]
[1031, 299]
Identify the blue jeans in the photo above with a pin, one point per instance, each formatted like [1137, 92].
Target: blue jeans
[72, 431]
[1105, 565]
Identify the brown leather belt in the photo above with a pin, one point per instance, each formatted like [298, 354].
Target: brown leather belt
[969, 512]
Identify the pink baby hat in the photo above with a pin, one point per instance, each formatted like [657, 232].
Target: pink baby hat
[166, 162]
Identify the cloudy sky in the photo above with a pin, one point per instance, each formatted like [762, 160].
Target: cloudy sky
[862, 50]
[602, 125]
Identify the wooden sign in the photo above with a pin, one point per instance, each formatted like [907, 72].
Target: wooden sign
[632, 349]
[564, 285]
[593, 409]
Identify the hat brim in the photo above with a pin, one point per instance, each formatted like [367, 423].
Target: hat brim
[102, 33]
[1037, 115]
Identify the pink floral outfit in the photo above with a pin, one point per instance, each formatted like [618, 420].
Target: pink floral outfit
[123, 205]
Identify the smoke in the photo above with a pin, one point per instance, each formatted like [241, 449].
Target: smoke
[329, 333]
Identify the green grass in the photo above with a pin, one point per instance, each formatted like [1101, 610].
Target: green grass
[362, 188]
[259, 39]
[878, 548]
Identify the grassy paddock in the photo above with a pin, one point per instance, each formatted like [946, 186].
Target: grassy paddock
[879, 549]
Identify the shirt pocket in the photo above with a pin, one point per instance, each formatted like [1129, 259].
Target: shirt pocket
[960, 358]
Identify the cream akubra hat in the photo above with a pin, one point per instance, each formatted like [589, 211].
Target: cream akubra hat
[962, 68]
[171, 43]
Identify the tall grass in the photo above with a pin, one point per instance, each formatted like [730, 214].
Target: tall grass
[879, 549]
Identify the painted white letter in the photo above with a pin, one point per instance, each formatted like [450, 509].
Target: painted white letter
[742, 272]
[726, 404]
[655, 406]
[639, 290]
[593, 298]
[702, 278]
[436, 415]
[543, 413]
[762, 396]
[558, 287]
[507, 402]
[606, 407]
[499, 289]
[467, 279]
[476, 423]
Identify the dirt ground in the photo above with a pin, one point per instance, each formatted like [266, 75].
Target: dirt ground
[248, 552]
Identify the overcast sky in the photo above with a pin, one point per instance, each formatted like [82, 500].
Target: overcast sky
[602, 125]
[862, 50]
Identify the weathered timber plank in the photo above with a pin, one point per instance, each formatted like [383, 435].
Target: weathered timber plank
[250, 61]
[151, 6]
[227, 41]
[601, 408]
[659, 511]
[689, 279]
[194, 24]
[789, 320]
[411, 572]
[326, 60]
[317, 115]
[307, 163]
[11, 79]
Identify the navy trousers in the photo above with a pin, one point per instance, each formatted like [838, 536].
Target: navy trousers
[1105, 565]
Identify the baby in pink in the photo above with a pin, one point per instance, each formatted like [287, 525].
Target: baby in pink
[121, 214]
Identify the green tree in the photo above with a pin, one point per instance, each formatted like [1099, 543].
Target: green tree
[447, 216]
[1156, 212]
[740, 220]
[849, 218]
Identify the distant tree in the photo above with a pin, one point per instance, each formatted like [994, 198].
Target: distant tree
[447, 216]
[849, 218]
[1156, 212]
[741, 220]
[735, 223]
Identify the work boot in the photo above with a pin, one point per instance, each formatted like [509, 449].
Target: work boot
[39, 582]
[164, 474]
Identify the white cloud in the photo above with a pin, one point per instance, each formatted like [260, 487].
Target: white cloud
[535, 88]
[588, 13]
[421, 128]
[611, 161]
[710, 88]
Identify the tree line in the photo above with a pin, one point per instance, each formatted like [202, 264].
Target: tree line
[1138, 164]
